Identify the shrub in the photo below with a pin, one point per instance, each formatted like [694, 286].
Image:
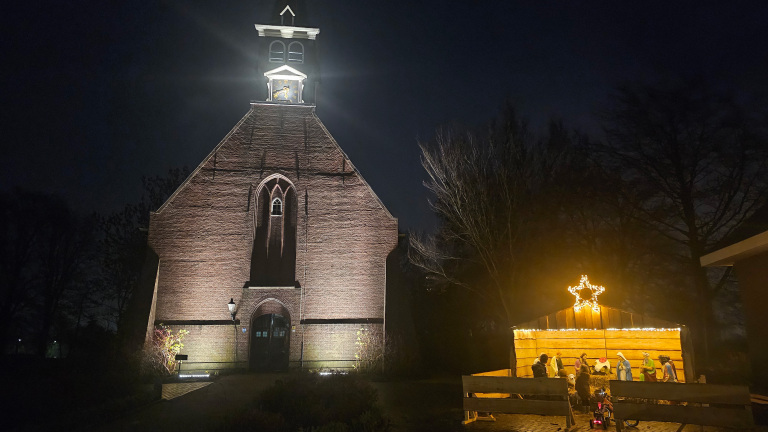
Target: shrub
[310, 402]
[166, 344]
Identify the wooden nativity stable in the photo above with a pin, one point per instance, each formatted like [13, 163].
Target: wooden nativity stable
[603, 333]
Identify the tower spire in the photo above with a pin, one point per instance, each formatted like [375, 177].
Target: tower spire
[289, 13]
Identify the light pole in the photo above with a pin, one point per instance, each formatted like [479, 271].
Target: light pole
[232, 308]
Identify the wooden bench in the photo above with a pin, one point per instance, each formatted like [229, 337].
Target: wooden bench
[699, 404]
[510, 395]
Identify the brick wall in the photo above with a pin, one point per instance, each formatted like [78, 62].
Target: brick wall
[204, 237]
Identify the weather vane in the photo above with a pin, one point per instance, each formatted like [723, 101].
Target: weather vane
[584, 298]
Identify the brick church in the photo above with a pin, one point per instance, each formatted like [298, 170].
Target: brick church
[277, 223]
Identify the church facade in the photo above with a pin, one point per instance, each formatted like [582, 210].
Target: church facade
[278, 224]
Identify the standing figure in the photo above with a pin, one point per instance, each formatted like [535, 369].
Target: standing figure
[539, 366]
[581, 361]
[670, 373]
[623, 368]
[648, 368]
[582, 387]
[557, 363]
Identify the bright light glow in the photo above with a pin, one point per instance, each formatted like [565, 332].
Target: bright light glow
[285, 72]
[332, 373]
[194, 376]
[586, 302]
[611, 329]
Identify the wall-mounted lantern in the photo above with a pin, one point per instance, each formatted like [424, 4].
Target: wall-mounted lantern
[231, 306]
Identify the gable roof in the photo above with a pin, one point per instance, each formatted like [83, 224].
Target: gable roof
[607, 318]
[291, 108]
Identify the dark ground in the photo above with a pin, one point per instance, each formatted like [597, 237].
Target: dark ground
[416, 405]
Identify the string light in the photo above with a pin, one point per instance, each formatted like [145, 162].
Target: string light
[586, 302]
[609, 329]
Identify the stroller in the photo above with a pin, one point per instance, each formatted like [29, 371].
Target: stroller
[602, 410]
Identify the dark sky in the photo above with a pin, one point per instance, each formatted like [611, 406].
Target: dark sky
[97, 94]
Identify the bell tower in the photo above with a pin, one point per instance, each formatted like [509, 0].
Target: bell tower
[288, 56]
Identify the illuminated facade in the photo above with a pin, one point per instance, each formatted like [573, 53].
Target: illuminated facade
[278, 219]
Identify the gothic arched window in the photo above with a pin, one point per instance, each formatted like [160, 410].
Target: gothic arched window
[277, 52]
[273, 257]
[295, 52]
[277, 207]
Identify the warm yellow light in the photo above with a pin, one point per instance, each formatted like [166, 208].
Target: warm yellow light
[586, 302]
[608, 329]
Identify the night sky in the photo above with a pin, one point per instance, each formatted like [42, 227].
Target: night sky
[98, 94]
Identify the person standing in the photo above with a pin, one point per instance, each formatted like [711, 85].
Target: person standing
[539, 366]
[581, 361]
[648, 369]
[623, 368]
[582, 387]
[557, 363]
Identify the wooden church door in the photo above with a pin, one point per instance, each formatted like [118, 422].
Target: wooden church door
[270, 336]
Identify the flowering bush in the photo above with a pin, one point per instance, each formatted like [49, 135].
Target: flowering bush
[167, 345]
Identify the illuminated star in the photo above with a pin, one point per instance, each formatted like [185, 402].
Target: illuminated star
[587, 300]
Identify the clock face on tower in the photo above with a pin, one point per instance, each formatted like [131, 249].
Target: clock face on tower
[284, 90]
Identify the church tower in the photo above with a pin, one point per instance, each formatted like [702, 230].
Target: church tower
[288, 56]
[277, 225]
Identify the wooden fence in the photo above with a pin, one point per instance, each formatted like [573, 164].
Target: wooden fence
[700, 404]
[510, 395]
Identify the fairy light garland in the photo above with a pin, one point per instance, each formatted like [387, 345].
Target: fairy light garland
[590, 302]
[608, 329]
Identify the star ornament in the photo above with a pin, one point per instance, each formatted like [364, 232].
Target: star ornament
[586, 294]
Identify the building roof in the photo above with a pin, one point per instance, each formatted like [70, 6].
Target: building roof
[728, 255]
[606, 318]
[286, 111]
[747, 240]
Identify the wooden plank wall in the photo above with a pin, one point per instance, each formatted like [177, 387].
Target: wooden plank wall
[529, 344]
[605, 318]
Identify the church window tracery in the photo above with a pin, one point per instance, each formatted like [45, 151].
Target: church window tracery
[273, 257]
[277, 207]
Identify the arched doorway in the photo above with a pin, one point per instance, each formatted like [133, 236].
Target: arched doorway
[270, 342]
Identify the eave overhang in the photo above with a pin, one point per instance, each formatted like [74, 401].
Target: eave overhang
[287, 32]
[744, 249]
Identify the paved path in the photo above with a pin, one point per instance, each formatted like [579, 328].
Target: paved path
[533, 423]
[174, 390]
[205, 408]
[420, 405]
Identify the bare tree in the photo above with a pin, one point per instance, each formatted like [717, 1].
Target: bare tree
[45, 250]
[21, 219]
[494, 196]
[64, 253]
[124, 242]
[697, 162]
